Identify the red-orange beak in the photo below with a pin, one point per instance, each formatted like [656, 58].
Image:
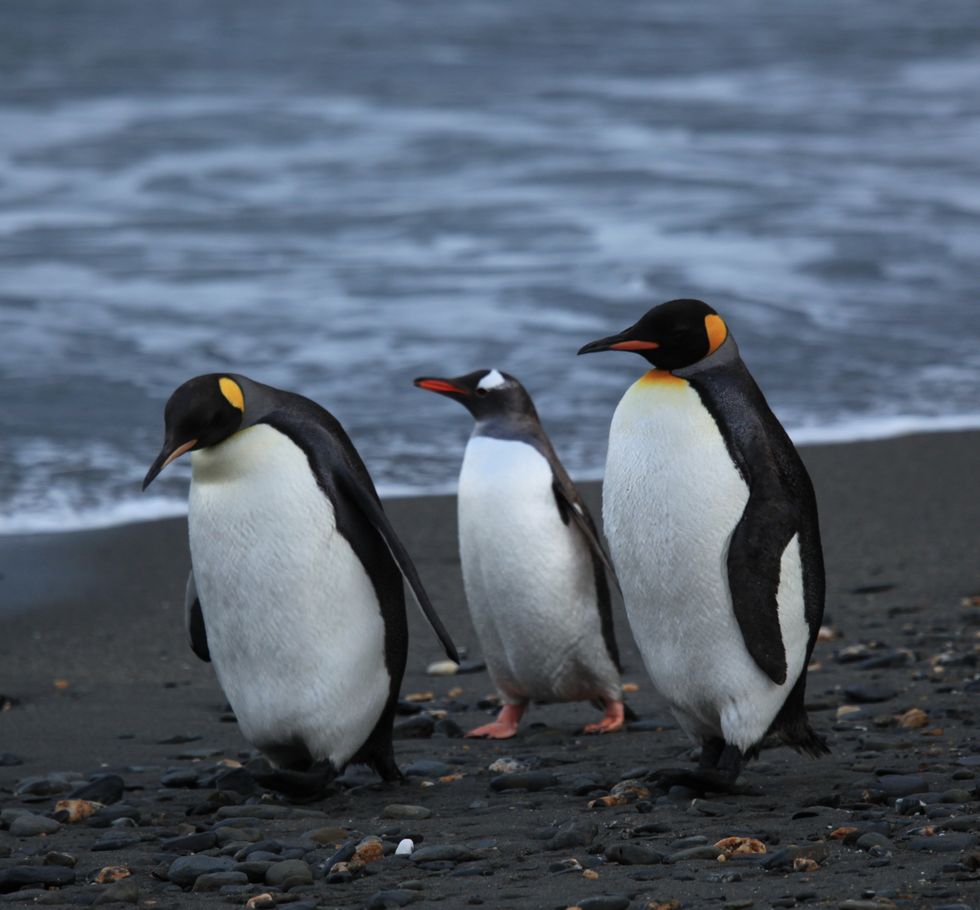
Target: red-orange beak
[443, 386]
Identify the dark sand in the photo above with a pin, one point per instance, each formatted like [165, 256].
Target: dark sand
[96, 672]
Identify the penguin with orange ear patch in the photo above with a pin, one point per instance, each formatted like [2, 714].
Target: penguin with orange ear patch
[712, 526]
[296, 594]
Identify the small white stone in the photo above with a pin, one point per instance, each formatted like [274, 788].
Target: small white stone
[442, 668]
[405, 847]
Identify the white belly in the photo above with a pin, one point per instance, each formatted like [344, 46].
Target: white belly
[529, 579]
[293, 622]
[671, 499]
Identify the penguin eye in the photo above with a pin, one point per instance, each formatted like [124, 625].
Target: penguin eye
[481, 392]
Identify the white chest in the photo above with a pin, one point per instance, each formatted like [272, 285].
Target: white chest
[293, 623]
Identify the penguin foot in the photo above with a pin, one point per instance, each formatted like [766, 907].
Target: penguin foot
[504, 727]
[297, 786]
[612, 720]
[704, 780]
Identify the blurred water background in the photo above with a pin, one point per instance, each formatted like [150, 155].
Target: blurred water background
[336, 197]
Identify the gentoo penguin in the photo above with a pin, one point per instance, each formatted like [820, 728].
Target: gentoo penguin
[533, 568]
[296, 591]
[712, 526]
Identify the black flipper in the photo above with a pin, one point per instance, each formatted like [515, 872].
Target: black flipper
[781, 504]
[571, 507]
[375, 514]
[196, 632]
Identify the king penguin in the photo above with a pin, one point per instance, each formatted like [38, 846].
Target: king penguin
[296, 591]
[712, 525]
[533, 568]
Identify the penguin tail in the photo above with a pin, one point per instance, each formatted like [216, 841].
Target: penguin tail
[805, 740]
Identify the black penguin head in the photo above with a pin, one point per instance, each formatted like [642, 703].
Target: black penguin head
[202, 412]
[486, 394]
[670, 336]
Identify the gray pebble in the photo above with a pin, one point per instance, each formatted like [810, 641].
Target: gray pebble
[873, 839]
[695, 840]
[213, 881]
[191, 843]
[289, 873]
[421, 726]
[638, 855]
[425, 768]
[20, 876]
[524, 780]
[117, 839]
[704, 852]
[54, 858]
[185, 869]
[576, 833]
[179, 778]
[254, 869]
[257, 811]
[869, 693]
[605, 902]
[405, 810]
[944, 843]
[105, 789]
[901, 784]
[125, 891]
[9, 760]
[955, 796]
[31, 825]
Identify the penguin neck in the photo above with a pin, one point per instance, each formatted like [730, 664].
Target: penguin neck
[521, 427]
[725, 354]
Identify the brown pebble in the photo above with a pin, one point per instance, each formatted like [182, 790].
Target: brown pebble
[841, 833]
[740, 846]
[112, 874]
[631, 687]
[420, 696]
[370, 852]
[263, 901]
[590, 874]
[912, 719]
[805, 864]
[77, 809]
[605, 802]
[455, 692]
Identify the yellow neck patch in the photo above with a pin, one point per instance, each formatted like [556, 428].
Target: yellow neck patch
[232, 392]
[717, 332]
[661, 377]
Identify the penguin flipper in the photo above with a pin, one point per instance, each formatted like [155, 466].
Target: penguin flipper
[194, 617]
[754, 558]
[571, 507]
[372, 511]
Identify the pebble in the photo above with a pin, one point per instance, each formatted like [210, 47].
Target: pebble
[289, 873]
[421, 726]
[436, 853]
[901, 784]
[49, 785]
[870, 693]
[510, 765]
[576, 833]
[405, 810]
[125, 891]
[396, 897]
[425, 768]
[185, 870]
[254, 869]
[55, 858]
[265, 811]
[405, 847]
[75, 810]
[638, 855]
[604, 902]
[214, 881]
[442, 668]
[107, 789]
[17, 877]
[180, 778]
[447, 727]
[327, 836]
[704, 852]
[943, 843]
[30, 825]
[873, 839]
[118, 839]
[9, 760]
[524, 780]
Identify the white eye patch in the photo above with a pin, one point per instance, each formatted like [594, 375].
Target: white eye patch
[493, 380]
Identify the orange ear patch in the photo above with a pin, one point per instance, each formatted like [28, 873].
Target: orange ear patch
[717, 331]
[232, 392]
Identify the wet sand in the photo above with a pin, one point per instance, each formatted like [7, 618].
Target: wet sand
[95, 675]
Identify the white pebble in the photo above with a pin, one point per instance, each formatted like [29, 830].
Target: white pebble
[405, 847]
[442, 668]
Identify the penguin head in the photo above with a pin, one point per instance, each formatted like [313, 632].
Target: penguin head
[485, 394]
[671, 336]
[202, 412]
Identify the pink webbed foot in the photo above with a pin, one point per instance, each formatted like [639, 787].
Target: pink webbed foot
[504, 727]
[612, 720]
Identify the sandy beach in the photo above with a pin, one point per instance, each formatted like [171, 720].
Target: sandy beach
[96, 678]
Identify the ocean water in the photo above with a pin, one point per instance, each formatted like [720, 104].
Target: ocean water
[337, 197]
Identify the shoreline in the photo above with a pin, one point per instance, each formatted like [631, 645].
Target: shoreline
[97, 675]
